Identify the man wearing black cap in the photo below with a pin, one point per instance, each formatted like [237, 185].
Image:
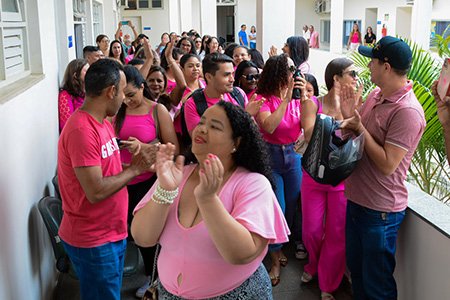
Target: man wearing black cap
[392, 121]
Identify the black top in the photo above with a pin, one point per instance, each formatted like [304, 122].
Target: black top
[370, 39]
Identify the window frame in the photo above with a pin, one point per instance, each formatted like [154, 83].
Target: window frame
[14, 42]
[125, 4]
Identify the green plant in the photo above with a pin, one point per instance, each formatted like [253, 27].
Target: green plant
[429, 169]
[442, 43]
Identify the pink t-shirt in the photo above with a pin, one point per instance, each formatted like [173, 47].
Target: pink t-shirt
[171, 85]
[314, 40]
[143, 128]
[190, 111]
[398, 120]
[84, 142]
[289, 128]
[249, 199]
[355, 38]
[67, 104]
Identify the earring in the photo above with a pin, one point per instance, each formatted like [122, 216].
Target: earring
[233, 150]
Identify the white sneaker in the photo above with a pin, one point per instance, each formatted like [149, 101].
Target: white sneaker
[141, 291]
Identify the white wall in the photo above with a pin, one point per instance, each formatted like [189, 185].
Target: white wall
[196, 16]
[157, 19]
[441, 10]
[403, 24]
[272, 30]
[208, 15]
[305, 15]
[29, 133]
[423, 259]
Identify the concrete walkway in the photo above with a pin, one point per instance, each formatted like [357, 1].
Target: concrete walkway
[290, 287]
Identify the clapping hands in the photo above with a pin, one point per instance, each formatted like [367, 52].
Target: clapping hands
[211, 178]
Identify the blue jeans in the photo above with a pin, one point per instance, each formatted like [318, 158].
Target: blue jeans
[287, 174]
[99, 269]
[370, 249]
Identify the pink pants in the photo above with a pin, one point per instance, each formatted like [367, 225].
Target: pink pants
[324, 210]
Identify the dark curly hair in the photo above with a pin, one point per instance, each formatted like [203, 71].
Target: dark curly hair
[274, 76]
[252, 153]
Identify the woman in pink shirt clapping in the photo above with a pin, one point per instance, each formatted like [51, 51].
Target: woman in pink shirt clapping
[216, 217]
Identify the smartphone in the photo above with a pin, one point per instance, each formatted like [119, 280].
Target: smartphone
[443, 87]
[124, 22]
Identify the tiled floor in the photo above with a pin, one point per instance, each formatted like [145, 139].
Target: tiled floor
[288, 289]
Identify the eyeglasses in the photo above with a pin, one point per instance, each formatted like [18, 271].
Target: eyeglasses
[251, 77]
[352, 73]
[198, 42]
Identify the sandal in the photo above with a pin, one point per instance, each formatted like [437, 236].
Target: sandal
[326, 296]
[283, 261]
[274, 279]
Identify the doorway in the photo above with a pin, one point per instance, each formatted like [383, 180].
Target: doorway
[348, 27]
[225, 24]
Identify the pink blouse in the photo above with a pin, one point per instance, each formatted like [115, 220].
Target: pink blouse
[67, 105]
[190, 252]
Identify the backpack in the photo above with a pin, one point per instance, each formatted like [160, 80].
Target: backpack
[201, 106]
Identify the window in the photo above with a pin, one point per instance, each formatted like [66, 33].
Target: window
[79, 21]
[325, 26]
[141, 4]
[13, 40]
[97, 18]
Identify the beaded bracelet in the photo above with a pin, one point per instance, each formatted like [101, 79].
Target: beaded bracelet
[168, 196]
[160, 201]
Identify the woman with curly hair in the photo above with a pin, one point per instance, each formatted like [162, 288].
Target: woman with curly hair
[71, 94]
[279, 120]
[216, 217]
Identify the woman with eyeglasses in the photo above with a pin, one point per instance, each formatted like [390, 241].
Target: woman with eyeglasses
[246, 77]
[103, 44]
[198, 45]
[279, 121]
[324, 206]
[186, 45]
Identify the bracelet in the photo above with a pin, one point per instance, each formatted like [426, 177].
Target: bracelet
[157, 201]
[164, 195]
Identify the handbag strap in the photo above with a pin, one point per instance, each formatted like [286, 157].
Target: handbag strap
[156, 119]
[155, 262]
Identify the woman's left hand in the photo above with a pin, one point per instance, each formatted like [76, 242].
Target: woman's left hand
[133, 145]
[211, 178]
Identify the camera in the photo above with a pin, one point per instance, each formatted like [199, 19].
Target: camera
[296, 92]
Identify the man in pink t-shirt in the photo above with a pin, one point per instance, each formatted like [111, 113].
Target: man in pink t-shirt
[94, 225]
[392, 122]
[218, 72]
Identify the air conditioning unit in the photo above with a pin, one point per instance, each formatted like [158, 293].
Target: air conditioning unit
[323, 6]
[409, 2]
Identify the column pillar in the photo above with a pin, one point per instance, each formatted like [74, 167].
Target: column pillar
[273, 30]
[336, 25]
[420, 22]
[208, 17]
[174, 16]
[186, 15]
